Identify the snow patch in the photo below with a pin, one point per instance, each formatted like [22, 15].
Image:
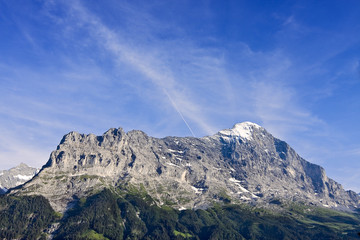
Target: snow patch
[234, 180]
[237, 183]
[197, 190]
[243, 130]
[241, 187]
[182, 208]
[245, 198]
[176, 151]
[171, 164]
[254, 196]
[23, 177]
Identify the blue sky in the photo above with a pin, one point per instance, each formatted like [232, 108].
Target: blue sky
[182, 68]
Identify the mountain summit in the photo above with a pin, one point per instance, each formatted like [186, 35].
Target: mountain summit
[242, 164]
[243, 130]
[16, 176]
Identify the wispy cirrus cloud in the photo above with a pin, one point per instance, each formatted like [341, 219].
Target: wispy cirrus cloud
[152, 63]
[102, 70]
[176, 68]
[204, 85]
[270, 97]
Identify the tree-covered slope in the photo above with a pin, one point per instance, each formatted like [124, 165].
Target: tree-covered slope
[25, 217]
[132, 214]
[108, 215]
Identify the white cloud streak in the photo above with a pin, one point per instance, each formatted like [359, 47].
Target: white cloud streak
[158, 78]
[259, 93]
[262, 94]
[151, 66]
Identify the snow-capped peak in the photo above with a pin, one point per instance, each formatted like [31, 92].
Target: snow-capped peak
[243, 130]
[16, 176]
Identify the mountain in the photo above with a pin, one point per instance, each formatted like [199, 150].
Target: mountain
[16, 176]
[240, 183]
[245, 164]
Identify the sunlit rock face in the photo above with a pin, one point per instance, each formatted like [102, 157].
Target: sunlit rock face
[16, 176]
[242, 164]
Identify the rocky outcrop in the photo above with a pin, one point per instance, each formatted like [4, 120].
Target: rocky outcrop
[242, 164]
[16, 176]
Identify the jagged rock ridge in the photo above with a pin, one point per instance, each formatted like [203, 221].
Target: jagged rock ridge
[245, 164]
[16, 176]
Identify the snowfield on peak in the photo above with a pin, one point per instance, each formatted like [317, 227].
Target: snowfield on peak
[243, 130]
[16, 176]
[24, 177]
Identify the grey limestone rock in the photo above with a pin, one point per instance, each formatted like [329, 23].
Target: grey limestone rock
[16, 176]
[242, 164]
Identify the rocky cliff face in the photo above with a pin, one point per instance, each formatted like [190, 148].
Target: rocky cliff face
[15, 176]
[242, 164]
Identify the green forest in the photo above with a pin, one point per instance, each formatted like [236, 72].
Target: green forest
[134, 215]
